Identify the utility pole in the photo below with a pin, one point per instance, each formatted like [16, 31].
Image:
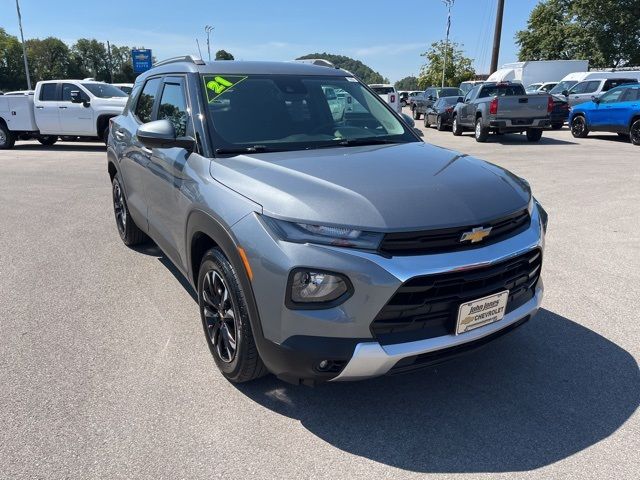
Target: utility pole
[110, 62]
[208, 29]
[24, 48]
[496, 37]
[449, 4]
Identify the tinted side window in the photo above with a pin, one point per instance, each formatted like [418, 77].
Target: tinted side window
[144, 108]
[609, 84]
[67, 88]
[612, 97]
[592, 86]
[173, 107]
[48, 92]
[631, 95]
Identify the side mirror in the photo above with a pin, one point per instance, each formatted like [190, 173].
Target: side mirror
[430, 97]
[408, 119]
[460, 100]
[161, 134]
[565, 93]
[595, 99]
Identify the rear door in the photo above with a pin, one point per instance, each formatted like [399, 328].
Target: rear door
[75, 118]
[46, 108]
[601, 117]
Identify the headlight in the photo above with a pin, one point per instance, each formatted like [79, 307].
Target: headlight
[312, 288]
[324, 234]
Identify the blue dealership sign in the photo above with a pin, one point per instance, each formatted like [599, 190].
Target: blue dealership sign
[141, 60]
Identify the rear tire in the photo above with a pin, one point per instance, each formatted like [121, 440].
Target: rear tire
[7, 139]
[481, 133]
[47, 140]
[225, 319]
[534, 134]
[579, 127]
[439, 125]
[455, 127]
[557, 126]
[127, 228]
[415, 113]
[105, 135]
[634, 132]
[427, 124]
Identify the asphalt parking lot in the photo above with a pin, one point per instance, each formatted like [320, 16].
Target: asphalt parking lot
[105, 373]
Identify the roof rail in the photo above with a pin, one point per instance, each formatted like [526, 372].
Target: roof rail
[317, 61]
[184, 58]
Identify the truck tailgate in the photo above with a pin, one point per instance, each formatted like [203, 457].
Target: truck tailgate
[523, 106]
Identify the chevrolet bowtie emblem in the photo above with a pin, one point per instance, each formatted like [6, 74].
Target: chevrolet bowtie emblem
[476, 235]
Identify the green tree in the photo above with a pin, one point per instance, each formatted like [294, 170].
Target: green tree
[90, 59]
[605, 32]
[407, 83]
[223, 55]
[359, 69]
[12, 75]
[458, 69]
[48, 58]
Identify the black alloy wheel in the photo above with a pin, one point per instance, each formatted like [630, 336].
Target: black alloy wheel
[220, 316]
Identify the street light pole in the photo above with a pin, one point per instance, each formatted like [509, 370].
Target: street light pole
[449, 4]
[24, 48]
[496, 37]
[208, 29]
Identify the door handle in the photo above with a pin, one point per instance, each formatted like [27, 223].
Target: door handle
[39, 108]
[62, 107]
[118, 134]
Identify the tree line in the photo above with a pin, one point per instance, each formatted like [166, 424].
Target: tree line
[359, 69]
[50, 58]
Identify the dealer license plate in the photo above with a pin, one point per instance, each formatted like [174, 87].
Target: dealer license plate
[481, 312]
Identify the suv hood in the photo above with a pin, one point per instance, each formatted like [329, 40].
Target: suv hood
[410, 186]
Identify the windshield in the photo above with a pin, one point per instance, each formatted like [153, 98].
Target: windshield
[562, 86]
[104, 90]
[296, 112]
[450, 92]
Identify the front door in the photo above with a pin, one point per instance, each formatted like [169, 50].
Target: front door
[167, 186]
[75, 118]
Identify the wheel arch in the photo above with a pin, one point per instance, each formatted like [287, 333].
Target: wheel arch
[102, 121]
[203, 232]
[634, 119]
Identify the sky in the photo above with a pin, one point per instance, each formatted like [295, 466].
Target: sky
[387, 36]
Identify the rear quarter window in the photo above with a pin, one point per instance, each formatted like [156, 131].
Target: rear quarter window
[48, 92]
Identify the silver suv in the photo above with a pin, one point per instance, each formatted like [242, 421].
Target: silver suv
[321, 247]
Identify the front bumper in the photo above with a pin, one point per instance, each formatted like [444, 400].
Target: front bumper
[370, 359]
[292, 342]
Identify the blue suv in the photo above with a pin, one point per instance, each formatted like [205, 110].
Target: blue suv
[618, 111]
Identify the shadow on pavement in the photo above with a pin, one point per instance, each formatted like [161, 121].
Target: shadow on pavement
[62, 147]
[515, 138]
[542, 393]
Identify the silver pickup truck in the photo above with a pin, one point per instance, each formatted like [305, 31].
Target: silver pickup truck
[502, 108]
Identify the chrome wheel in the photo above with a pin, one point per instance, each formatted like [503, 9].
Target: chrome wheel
[220, 316]
[3, 137]
[119, 208]
[478, 129]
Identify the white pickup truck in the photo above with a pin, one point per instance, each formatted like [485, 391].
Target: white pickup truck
[59, 108]
[389, 94]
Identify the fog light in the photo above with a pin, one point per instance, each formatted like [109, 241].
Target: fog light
[317, 289]
[323, 365]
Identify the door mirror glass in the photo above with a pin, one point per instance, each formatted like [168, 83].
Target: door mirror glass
[162, 134]
[76, 97]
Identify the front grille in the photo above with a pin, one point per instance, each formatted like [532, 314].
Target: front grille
[427, 306]
[448, 239]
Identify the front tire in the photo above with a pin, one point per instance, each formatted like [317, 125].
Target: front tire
[481, 133]
[534, 134]
[7, 139]
[634, 132]
[439, 125]
[127, 228]
[47, 140]
[415, 113]
[427, 124]
[455, 127]
[225, 319]
[579, 127]
[557, 126]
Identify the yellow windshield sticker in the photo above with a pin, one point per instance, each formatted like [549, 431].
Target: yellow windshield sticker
[216, 85]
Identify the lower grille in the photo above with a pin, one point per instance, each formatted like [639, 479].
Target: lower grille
[427, 306]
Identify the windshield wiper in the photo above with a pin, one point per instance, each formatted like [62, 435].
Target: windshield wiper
[364, 141]
[239, 150]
